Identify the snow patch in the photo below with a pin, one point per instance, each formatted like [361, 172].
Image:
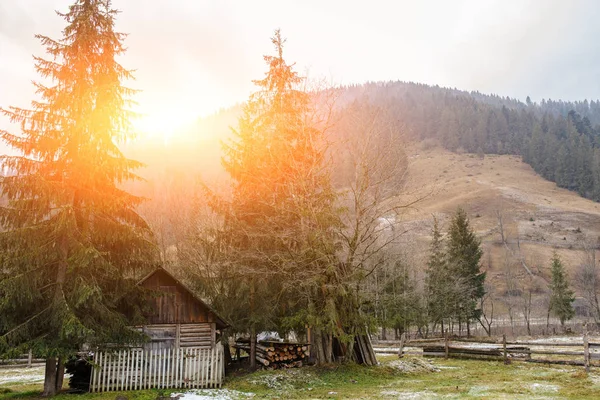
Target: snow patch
[412, 365]
[478, 390]
[388, 394]
[544, 387]
[212, 394]
[25, 375]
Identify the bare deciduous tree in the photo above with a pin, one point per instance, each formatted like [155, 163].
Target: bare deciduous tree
[587, 279]
[486, 304]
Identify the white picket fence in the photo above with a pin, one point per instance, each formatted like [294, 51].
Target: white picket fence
[135, 369]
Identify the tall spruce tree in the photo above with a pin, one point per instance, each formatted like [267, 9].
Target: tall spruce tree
[437, 278]
[72, 241]
[277, 226]
[464, 255]
[561, 296]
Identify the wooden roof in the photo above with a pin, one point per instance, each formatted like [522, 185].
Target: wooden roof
[178, 304]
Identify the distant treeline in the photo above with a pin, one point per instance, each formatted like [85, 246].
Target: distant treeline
[559, 139]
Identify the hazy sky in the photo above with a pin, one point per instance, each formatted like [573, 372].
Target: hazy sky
[195, 56]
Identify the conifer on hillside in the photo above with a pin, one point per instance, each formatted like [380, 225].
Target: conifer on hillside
[464, 256]
[561, 296]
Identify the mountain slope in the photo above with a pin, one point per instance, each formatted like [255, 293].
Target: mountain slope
[538, 218]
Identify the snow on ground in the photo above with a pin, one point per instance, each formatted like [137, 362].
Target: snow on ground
[544, 387]
[212, 394]
[21, 375]
[478, 391]
[394, 394]
[412, 365]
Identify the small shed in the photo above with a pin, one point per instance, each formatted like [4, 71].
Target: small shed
[180, 318]
[184, 350]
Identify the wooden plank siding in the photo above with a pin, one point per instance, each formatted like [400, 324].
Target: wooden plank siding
[173, 336]
[183, 350]
[136, 369]
[176, 304]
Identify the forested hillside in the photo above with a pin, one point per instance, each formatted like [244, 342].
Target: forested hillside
[374, 121]
[558, 139]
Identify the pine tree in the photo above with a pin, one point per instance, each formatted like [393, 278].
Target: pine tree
[561, 296]
[401, 301]
[278, 222]
[464, 255]
[71, 240]
[436, 280]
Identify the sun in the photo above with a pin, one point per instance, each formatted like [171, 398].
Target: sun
[163, 125]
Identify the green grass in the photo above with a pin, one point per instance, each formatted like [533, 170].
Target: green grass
[455, 379]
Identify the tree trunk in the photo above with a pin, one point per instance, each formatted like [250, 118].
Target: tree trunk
[252, 347]
[328, 348]
[468, 328]
[51, 373]
[227, 353]
[50, 377]
[60, 374]
[252, 328]
[319, 352]
[61, 273]
[384, 333]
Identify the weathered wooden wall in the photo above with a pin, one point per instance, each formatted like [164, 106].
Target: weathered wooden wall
[172, 336]
[177, 304]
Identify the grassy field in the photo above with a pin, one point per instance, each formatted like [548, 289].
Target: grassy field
[392, 380]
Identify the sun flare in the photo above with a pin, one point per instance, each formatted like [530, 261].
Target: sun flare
[162, 125]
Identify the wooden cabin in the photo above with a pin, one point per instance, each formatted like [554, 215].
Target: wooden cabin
[180, 318]
[184, 350]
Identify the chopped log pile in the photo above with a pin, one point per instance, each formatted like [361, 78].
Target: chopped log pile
[276, 354]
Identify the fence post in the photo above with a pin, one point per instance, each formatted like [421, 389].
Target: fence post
[586, 349]
[505, 353]
[29, 358]
[446, 344]
[401, 349]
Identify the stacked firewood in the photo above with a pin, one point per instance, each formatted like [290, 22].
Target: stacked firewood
[276, 354]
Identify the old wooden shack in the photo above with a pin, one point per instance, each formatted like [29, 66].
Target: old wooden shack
[180, 318]
[184, 350]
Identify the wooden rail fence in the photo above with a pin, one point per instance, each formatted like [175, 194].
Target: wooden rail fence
[577, 352]
[135, 369]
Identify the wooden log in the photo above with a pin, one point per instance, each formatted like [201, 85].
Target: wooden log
[463, 350]
[558, 353]
[263, 361]
[264, 348]
[559, 362]
[379, 350]
[550, 344]
[193, 331]
[192, 327]
[184, 340]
